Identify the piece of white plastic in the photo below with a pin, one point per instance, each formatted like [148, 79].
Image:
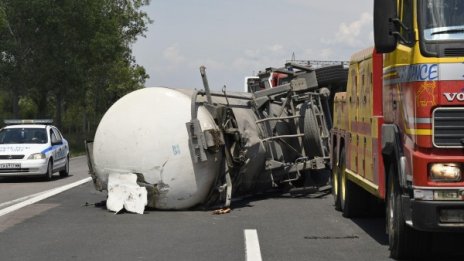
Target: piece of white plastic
[124, 192]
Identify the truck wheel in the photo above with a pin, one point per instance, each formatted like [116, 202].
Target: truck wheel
[352, 199]
[404, 241]
[336, 185]
[335, 74]
[312, 134]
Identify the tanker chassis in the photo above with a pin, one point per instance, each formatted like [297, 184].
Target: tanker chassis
[191, 148]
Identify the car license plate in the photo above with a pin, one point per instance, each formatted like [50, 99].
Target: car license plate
[10, 165]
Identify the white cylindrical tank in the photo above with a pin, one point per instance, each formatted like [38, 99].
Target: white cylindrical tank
[145, 132]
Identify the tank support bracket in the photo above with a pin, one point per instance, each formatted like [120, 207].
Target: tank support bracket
[197, 141]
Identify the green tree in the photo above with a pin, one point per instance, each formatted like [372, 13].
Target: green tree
[68, 58]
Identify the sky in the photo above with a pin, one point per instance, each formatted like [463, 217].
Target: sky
[239, 38]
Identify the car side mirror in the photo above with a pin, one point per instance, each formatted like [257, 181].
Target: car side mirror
[385, 32]
[56, 142]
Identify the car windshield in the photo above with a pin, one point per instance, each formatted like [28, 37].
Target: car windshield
[443, 19]
[23, 135]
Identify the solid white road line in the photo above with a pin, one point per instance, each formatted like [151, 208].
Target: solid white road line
[252, 250]
[14, 201]
[43, 196]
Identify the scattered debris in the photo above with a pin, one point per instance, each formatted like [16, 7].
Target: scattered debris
[221, 211]
[98, 204]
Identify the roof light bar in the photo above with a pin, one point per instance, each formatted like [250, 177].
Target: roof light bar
[28, 121]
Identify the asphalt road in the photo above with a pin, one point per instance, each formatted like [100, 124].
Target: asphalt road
[13, 188]
[74, 225]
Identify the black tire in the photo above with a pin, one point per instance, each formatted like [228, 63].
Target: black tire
[404, 241]
[49, 174]
[331, 75]
[312, 135]
[352, 197]
[65, 172]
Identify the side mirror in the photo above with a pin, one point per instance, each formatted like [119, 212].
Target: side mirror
[57, 143]
[384, 27]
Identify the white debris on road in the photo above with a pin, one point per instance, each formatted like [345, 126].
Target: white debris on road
[123, 192]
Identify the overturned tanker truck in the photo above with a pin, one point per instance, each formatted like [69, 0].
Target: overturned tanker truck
[192, 148]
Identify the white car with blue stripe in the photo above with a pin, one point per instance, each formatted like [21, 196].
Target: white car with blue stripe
[33, 148]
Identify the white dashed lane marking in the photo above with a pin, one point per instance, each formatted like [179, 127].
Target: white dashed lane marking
[252, 250]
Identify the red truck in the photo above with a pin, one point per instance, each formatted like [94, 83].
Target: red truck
[398, 132]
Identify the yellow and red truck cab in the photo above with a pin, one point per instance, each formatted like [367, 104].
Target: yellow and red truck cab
[399, 128]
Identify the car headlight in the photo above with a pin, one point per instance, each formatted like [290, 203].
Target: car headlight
[37, 156]
[445, 172]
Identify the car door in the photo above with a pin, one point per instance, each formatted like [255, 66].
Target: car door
[59, 150]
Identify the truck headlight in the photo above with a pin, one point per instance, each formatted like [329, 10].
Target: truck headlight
[37, 156]
[445, 172]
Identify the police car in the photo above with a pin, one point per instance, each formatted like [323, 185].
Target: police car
[33, 148]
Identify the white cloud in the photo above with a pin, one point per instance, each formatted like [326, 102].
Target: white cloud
[173, 55]
[371, 37]
[327, 54]
[307, 54]
[276, 48]
[304, 3]
[320, 54]
[260, 58]
[209, 63]
[354, 34]
[242, 62]
[255, 53]
[267, 50]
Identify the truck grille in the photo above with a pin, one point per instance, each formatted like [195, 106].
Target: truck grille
[453, 52]
[14, 170]
[448, 127]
